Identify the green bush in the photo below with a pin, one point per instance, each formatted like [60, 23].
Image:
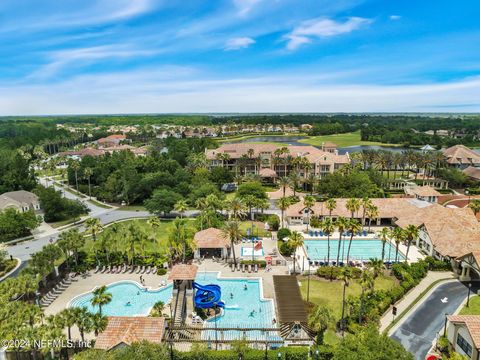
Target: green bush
[335, 272]
[438, 265]
[283, 233]
[161, 271]
[273, 222]
[285, 249]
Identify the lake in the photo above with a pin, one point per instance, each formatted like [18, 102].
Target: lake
[294, 140]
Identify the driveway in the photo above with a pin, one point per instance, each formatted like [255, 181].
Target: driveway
[420, 328]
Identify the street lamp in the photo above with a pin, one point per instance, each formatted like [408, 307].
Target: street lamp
[445, 326]
[468, 296]
[308, 281]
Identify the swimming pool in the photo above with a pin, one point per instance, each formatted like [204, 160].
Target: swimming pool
[141, 300]
[247, 251]
[243, 308]
[362, 249]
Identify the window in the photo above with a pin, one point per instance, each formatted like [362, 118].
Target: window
[464, 345]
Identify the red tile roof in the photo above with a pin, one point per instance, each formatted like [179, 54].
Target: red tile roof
[127, 330]
[183, 272]
[472, 322]
[211, 238]
[460, 154]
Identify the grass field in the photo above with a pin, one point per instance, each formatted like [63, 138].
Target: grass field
[324, 292]
[474, 308]
[342, 140]
[96, 203]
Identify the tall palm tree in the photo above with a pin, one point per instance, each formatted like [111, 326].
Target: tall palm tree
[366, 283]
[181, 207]
[365, 203]
[283, 204]
[341, 224]
[384, 236]
[231, 231]
[411, 233]
[98, 323]
[398, 235]
[75, 166]
[376, 265]
[328, 227]
[83, 321]
[69, 317]
[372, 213]
[295, 240]
[330, 204]
[354, 227]
[308, 202]
[236, 208]
[284, 182]
[345, 277]
[101, 297]
[294, 180]
[87, 173]
[353, 205]
[93, 227]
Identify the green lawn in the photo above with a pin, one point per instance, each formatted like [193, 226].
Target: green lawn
[96, 203]
[329, 294]
[57, 224]
[258, 229]
[342, 140]
[474, 308]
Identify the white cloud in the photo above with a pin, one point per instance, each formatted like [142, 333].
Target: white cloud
[245, 6]
[184, 90]
[395, 17]
[239, 43]
[322, 27]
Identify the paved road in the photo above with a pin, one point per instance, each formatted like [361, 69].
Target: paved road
[421, 327]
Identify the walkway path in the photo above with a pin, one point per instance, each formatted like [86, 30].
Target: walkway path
[408, 299]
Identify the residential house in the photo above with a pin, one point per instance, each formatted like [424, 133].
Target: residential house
[20, 200]
[463, 333]
[461, 157]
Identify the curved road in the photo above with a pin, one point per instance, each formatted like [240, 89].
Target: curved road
[420, 328]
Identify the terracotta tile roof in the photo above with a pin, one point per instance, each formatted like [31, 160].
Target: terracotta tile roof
[117, 136]
[84, 152]
[211, 238]
[425, 191]
[460, 154]
[183, 272]
[267, 173]
[277, 194]
[472, 322]
[472, 172]
[127, 330]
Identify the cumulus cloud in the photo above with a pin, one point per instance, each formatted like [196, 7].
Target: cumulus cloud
[321, 28]
[395, 17]
[238, 43]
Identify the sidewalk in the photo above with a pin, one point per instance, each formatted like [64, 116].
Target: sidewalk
[410, 297]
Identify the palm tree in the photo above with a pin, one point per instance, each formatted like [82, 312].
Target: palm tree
[398, 235]
[181, 206]
[345, 277]
[384, 236]
[181, 237]
[366, 203]
[75, 166]
[474, 205]
[101, 297]
[372, 213]
[98, 323]
[411, 233]
[237, 208]
[366, 283]
[88, 172]
[328, 227]
[157, 309]
[308, 202]
[319, 321]
[283, 204]
[341, 225]
[154, 222]
[231, 231]
[294, 180]
[353, 205]
[330, 204]
[295, 240]
[354, 227]
[69, 317]
[93, 227]
[284, 182]
[83, 321]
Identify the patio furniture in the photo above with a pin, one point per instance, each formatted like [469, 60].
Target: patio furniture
[154, 270]
[96, 269]
[113, 270]
[243, 268]
[249, 268]
[310, 233]
[137, 270]
[256, 268]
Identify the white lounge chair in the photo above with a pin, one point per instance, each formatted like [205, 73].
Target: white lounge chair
[137, 271]
[96, 269]
[256, 268]
[154, 270]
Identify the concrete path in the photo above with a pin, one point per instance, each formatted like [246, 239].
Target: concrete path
[409, 298]
[422, 326]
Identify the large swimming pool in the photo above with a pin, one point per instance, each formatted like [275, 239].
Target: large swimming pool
[362, 250]
[244, 308]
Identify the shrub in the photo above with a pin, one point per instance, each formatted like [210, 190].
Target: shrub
[438, 265]
[273, 222]
[335, 272]
[315, 222]
[283, 233]
[161, 271]
[286, 249]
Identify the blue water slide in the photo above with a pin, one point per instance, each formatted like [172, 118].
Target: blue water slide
[207, 296]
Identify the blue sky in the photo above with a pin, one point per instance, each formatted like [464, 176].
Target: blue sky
[140, 56]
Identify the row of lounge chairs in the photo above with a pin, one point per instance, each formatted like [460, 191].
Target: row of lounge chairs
[243, 267]
[345, 233]
[122, 269]
[49, 297]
